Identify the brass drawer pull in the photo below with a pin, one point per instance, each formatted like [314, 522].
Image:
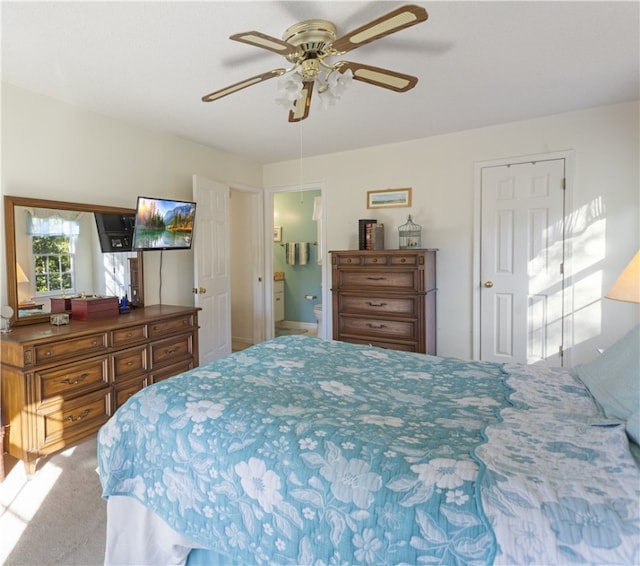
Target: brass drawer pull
[172, 351]
[48, 353]
[376, 304]
[376, 326]
[376, 278]
[73, 419]
[129, 363]
[77, 380]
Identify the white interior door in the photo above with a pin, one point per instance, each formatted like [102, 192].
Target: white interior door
[521, 262]
[212, 268]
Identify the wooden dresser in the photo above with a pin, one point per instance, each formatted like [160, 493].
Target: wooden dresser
[59, 384]
[386, 298]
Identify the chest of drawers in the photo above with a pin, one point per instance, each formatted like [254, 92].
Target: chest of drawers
[386, 298]
[59, 384]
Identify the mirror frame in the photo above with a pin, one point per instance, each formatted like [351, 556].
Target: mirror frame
[10, 202]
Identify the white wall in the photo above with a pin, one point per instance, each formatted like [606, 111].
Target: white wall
[56, 151]
[441, 172]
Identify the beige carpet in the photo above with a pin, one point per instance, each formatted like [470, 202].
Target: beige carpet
[57, 516]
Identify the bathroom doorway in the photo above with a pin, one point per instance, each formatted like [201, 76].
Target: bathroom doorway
[297, 261]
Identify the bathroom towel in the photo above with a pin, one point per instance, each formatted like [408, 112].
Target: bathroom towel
[317, 208]
[303, 252]
[290, 251]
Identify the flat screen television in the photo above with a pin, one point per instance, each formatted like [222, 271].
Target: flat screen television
[115, 231]
[163, 224]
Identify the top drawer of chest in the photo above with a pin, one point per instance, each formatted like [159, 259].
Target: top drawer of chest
[172, 325]
[409, 259]
[72, 347]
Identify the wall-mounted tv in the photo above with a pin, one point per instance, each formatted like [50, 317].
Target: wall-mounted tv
[115, 231]
[163, 224]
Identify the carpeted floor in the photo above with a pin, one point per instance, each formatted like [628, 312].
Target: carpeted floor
[56, 517]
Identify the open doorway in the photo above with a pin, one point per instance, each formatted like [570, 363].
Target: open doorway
[296, 269]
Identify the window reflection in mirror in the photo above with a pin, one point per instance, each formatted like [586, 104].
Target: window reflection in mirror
[58, 256]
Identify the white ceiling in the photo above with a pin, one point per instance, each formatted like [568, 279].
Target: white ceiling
[478, 63]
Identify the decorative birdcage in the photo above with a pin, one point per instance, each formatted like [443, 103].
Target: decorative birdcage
[410, 234]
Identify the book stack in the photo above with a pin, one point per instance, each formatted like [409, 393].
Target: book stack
[362, 232]
[374, 236]
[370, 235]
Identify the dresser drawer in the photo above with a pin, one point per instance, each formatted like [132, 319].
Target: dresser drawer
[393, 280]
[125, 390]
[129, 363]
[73, 379]
[129, 335]
[379, 328]
[60, 423]
[171, 325]
[407, 258]
[72, 347]
[171, 350]
[380, 306]
[170, 371]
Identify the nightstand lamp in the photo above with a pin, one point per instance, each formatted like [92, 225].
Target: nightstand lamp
[627, 286]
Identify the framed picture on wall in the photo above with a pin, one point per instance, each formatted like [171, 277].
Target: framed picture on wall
[277, 233]
[389, 198]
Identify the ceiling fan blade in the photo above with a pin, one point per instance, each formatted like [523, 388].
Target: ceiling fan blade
[302, 105]
[243, 84]
[394, 21]
[379, 77]
[274, 44]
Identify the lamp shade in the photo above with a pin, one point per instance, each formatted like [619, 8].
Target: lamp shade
[627, 286]
[21, 275]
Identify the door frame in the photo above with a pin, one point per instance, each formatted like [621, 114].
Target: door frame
[269, 323]
[569, 157]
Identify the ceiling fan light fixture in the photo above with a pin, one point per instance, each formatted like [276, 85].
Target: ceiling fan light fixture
[289, 90]
[332, 87]
[309, 44]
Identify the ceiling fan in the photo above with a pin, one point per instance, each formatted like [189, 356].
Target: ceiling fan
[309, 43]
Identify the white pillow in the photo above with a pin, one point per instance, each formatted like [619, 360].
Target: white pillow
[614, 380]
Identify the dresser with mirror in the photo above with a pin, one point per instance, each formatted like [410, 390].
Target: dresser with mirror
[61, 382]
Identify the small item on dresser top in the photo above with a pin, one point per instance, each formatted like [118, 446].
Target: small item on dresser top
[6, 312]
[60, 304]
[59, 318]
[92, 308]
[362, 232]
[124, 305]
[410, 235]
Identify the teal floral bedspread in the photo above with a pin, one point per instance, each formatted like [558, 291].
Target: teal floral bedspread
[304, 451]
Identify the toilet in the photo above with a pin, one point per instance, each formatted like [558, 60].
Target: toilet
[317, 312]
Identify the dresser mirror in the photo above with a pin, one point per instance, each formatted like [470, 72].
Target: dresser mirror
[54, 253]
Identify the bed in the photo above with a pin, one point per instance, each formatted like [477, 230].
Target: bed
[305, 451]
